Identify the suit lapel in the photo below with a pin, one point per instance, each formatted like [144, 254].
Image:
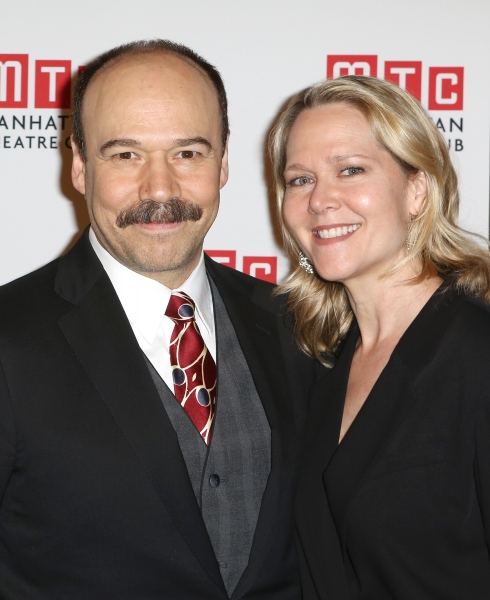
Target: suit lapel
[102, 339]
[332, 473]
[386, 408]
[259, 337]
[316, 527]
[257, 334]
[327, 399]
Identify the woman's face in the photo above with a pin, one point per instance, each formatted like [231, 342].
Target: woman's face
[347, 201]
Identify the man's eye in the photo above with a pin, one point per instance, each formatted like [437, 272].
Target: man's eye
[125, 155]
[187, 154]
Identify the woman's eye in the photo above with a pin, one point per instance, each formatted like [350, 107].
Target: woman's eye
[352, 171]
[187, 154]
[300, 180]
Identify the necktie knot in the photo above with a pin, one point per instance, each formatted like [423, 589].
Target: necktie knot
[180, 307]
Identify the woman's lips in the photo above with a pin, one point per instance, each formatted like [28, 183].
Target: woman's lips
[335, 231]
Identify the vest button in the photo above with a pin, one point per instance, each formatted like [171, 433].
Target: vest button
[214, 480]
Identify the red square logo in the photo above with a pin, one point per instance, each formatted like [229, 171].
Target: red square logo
[225, 257]
[53, 84]
[352, 64]
[262, 267]
[407, 75]
[13, 80]
[446, 88]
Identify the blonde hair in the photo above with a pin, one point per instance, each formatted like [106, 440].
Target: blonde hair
[321, 310]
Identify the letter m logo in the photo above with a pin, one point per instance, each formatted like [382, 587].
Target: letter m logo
[351, 64]
[13, 80]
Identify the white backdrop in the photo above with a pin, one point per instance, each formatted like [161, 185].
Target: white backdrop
[265, 50]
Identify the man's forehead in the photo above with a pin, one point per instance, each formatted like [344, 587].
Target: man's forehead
[156, 98]
[134, 70]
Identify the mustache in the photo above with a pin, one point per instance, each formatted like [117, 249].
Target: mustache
[174, 210]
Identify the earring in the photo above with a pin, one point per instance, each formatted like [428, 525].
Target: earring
[305, 264]
[409, 241]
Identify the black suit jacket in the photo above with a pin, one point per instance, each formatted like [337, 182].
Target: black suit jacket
[96, 502]
[400, 509]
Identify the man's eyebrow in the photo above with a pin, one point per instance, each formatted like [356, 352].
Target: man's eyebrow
[118, 142]
[176, 142]
[193, 140]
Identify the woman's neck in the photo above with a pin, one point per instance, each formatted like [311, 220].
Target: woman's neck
[385, 307]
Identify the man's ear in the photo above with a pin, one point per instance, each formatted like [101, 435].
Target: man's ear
[418, 185]
[77, 169]
[223, 178]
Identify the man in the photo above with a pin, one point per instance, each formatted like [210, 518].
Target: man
[151, 401]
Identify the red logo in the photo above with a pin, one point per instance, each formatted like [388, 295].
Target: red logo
[351, 64]
[53, 83]
[225, 257]
[262, 267]
[445, 83]
[446, 88]
[13, 80]
[407, 75]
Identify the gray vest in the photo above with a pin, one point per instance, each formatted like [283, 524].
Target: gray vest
[229, 476]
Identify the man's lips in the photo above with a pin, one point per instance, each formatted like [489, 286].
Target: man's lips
[160, 226]
[325, 232]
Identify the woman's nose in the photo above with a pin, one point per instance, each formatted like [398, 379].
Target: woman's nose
[323, 197]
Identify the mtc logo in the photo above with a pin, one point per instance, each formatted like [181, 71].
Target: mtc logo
[262, 267]
[446, 84]
[52, 82]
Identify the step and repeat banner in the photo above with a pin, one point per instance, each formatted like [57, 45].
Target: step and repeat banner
[266, 50]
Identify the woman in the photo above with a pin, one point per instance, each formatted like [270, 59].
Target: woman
[394, 498]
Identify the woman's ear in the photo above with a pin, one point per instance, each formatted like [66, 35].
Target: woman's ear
[418, 192]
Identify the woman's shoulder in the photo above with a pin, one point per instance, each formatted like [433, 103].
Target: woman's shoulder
[474, 311]
[452, 325]
[470, 324]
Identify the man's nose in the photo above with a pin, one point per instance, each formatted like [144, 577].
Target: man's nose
[159, 181]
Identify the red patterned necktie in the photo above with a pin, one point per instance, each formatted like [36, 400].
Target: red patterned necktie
[193, 367]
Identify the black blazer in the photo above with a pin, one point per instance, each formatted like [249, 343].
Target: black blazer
[400, 509]
[96, 502]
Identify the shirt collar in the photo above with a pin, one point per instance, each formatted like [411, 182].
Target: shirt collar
[145, 300]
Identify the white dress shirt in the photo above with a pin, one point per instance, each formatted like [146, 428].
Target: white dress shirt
[145, 301]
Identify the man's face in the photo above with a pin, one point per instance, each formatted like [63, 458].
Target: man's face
[154, 163]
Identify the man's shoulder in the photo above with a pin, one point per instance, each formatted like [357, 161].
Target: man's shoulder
[244, 286]
[246, 293]
[29, 304]
[30, 285]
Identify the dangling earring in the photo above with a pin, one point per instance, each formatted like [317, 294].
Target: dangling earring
[409, 241]
[305, 264]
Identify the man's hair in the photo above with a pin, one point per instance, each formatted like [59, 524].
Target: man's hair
[144, 47]
[402, 127]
